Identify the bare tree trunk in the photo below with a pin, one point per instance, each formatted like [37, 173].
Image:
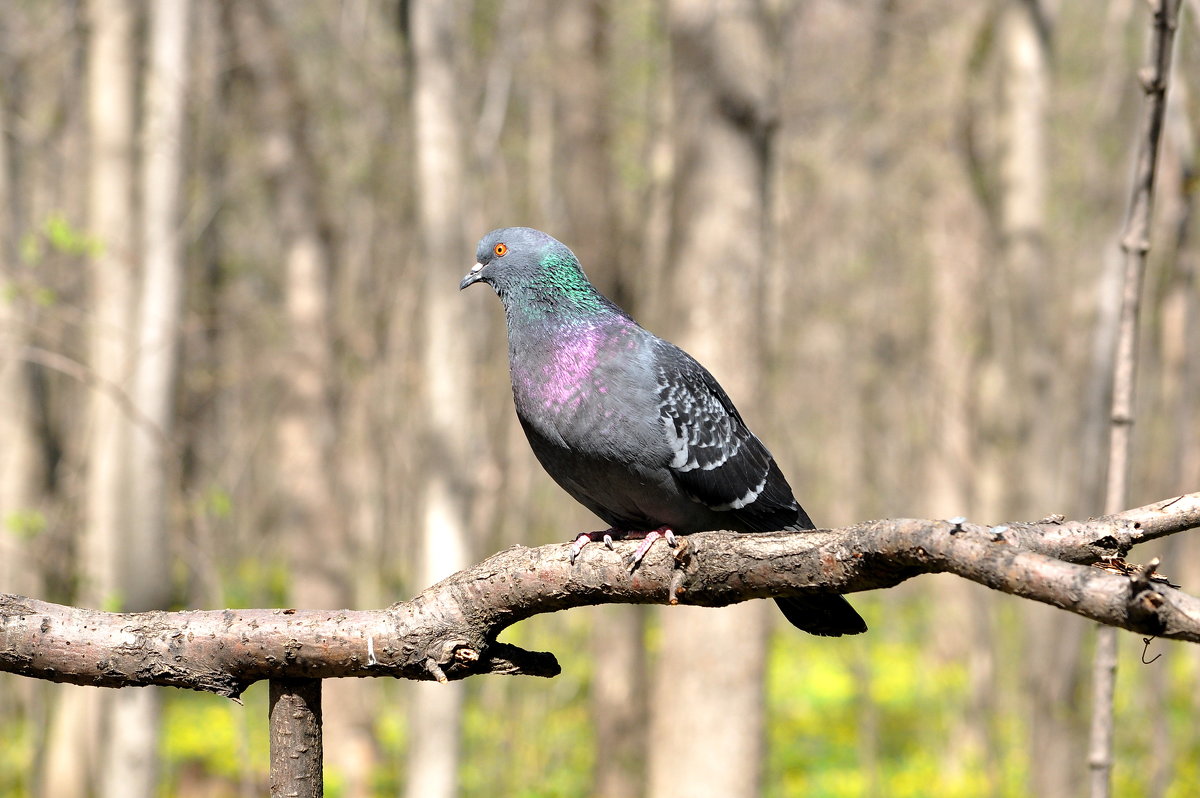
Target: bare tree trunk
[310, 521]
[111, 213]
[19, 457]
[1181, 386]
[709, 677]
[1025, 87]
[132, 763]
[619, 678]
[81, 727]
[619, 700]
[315, 529]
[161, 296]
[435, 717]
[1135, 244]
[582, 109]
[296, 738]
[1053, 653]
[21, 462]
[954, 233]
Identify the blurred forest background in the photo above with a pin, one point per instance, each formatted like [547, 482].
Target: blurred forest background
[235, 369]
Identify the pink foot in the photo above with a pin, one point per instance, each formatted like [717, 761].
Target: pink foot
[663, 532]
[590, 537]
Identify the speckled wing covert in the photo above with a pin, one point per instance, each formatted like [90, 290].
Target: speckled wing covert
[717, 460]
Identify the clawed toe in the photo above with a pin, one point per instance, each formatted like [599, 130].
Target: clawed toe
[585, 538]
[576, 547]
[635, 559]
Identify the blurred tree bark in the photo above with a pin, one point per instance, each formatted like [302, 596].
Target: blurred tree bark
[312, 525]
[584, 112]
[1053, 658]
[206, 448]
[568, 109]
[161, 298]
[82, 747]
[132, 763]
[447, 492]
[722, 64]
[1136, 234]
[20, 459]
[1180, 375]
[955, 231]
[111, 215]
[583, 108]
[22, 467]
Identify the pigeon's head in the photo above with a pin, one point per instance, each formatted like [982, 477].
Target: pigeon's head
[515, 260]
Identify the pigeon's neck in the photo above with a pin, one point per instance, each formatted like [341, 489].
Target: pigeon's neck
[538, 329]
[557, 292]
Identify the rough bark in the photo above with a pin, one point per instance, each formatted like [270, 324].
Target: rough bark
[295, 718]
[449, 631]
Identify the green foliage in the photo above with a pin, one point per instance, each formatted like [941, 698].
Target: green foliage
[215, 739]
[216, 503]
[257, 583]
[16, 758]
[59, 236]
[113, 602]
[1173, 732]
[65, 238]
[532, 740]
[25, 524]
[884, 715]
[863, 715]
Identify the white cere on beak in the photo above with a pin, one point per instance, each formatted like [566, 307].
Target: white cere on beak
[476, 268]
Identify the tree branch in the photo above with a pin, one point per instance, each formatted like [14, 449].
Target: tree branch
[449, 631]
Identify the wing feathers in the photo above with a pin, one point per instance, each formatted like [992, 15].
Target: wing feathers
[715, 458]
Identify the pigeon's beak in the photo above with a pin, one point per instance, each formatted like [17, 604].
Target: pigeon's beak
[473, 276]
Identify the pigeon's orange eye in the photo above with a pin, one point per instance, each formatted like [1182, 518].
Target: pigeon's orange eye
[501, 250]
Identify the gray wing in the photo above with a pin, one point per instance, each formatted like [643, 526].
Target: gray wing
[716, 460]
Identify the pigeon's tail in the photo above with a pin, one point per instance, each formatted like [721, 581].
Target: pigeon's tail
[828, 616]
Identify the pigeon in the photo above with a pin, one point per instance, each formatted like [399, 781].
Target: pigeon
[629, 425]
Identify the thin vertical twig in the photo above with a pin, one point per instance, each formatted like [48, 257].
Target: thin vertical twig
[296, 748]
[1135, 244]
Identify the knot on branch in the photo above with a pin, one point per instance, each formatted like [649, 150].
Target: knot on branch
[464, 660]
[1146, 601]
